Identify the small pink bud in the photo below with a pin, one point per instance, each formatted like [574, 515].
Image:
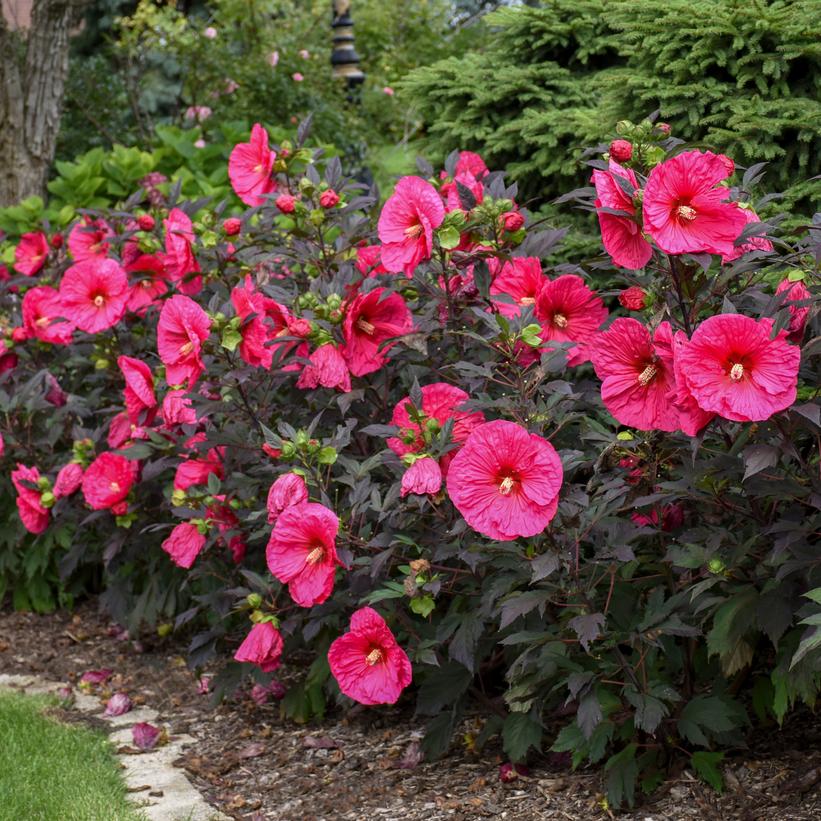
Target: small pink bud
[621, 150]
[146, 222]
[286, 203]
[512, 220]
[329, 198]
[634, 299]
[664, 128]
[57, 241]
[232, 226]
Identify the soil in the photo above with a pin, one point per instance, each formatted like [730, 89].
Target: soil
[253, 765]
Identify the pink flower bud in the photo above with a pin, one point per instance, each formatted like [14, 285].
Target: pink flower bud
[285, 203]
[57, 241]
[388, 90]
[146, 222]
[512, 220]
[634, 299]
[329, 198]
[55, 395]
[232, 226]
[621, 150]
[664, 128]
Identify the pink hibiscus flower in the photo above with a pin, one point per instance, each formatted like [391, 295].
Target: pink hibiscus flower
[423, 476]
[795, 292]
[151, 285]
[182, 328]
[262, 646]
[505, 481]
[93, 294]
[752, 243]
[691, 418]
[34, 516]
[250, 168]
[192, 472]
[471, 163]
[521, 279]
[621, 235]
[302, 552]
[8, 359]
[177, 410]
[121, 431]
[69, 479]
[87, 239]
[440, 402]
[221, 514]
[371, 320]
[570, 312]
[637, 374]
[369, 260]
[184, 544]
[367, 663]
[139, 389]
[407, 222]
[179, 260]
[108, 481]
[31, 253]
[732, 368]
[41, 312]
[327, 367]
[686, 211]
[286, 491]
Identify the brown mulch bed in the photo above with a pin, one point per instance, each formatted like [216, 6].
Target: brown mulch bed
[253, 765]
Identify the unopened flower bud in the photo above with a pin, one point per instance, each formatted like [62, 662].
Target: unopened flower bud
[634, 299]
[47, 499]
[231, 226]
[57, 241]
[286, 203]
[254, 600]
[621, 150]
[512, 220]
[146, 222]
[329, 198]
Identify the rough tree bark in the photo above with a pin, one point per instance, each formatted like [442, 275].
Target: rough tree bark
[33, 70]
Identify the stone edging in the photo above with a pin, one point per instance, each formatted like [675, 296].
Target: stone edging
[168, 795]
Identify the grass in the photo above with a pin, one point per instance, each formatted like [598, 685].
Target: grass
[53, 772]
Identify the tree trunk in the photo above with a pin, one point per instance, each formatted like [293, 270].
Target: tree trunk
[33, 70]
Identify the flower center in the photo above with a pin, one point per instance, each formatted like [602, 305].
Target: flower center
[506, 485]
[99, 300]
[365, 326]
[146, 283]
[114, 487]
[42, 322]
[413, 231]
[258, 169]
[737, 372]
[530, 300]
[560, 320]
[315, 556]
[374, 657]
[646, 376]
[686, 212]
[186, 348]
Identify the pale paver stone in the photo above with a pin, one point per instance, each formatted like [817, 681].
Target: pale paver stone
[180, 801]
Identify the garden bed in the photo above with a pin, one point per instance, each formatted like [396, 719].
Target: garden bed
[252, 765]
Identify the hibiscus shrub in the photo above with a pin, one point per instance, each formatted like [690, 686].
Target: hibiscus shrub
[389, 441]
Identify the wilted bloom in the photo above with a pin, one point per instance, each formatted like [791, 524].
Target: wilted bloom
[302, 552]
[31, 253]
[152, 282]
[371, 320]
[621, 150]
[33, 514]
[250, 168]
[570, 312]
[329, 198]
[195, 471]
[621, 234]
[287, 490]
[731, 367]
[795, 292]
[521, 279]
[118, 705]
[177, 410]
[93, 294]
[686, 210]
[145, 736]
[139, 389]
[633, 298]
[88, 237]
[367, 663]
[505, 481]
[262, 646]
[94, 677]
[672, 516]
[55, 395]
[327, 367]
[42, 316]
[423, 476]
[204, 685]
[637, 374]
[184, 544]
[440, 402]
[407, 222]
[69, 478]
[108, 481]
[754, 243]
[182, 328]
[511, 772]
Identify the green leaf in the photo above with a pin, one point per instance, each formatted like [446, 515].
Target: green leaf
[230, 339]
[711, 713]
[442, 686]
[622, 770]
[519, 733]
[449, 237]
[705, 765]
[438, 734]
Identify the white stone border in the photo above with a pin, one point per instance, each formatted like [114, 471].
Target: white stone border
[179, 801]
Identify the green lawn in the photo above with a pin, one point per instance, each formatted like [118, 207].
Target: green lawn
[53, 772]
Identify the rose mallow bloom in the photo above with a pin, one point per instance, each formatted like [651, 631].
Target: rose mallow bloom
[407, 222]
[179, 261]
[286, 491]
[637, 374]
[620, 233]
[182, 328]
[33, 514]
[69, 478]
[41, 316]
[686, 210]
[795, 292]
[691, 418]
[151, 282]
[93, 294]
[139, 389]
[754, 243]
[184, 544]
[326, 367]
[422, 477]
[732, 368]
[371, 320]
[505, 481]
[302, 552]
[262, 646]
[108, 481]
[570, 312]
[521, 279]
[250, 168]
[87, 239]
[367, 663]
[31, 253]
